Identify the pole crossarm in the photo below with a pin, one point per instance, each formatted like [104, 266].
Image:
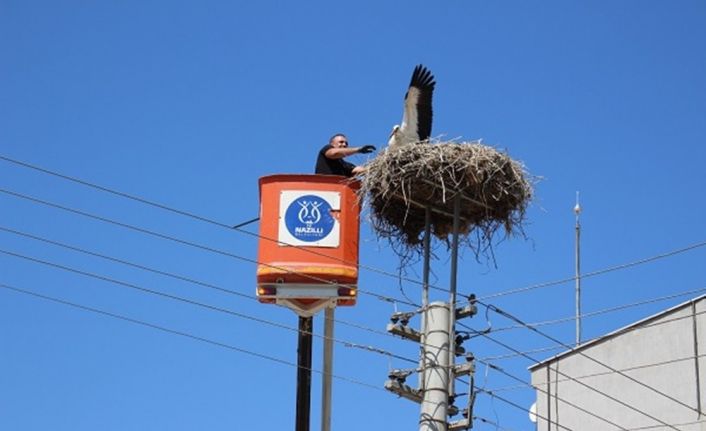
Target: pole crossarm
[404, 390]
[404, 331]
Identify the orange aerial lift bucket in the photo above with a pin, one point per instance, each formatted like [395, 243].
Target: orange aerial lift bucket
[308, 247]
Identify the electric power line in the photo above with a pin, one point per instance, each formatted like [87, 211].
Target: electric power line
[514, 355]
[517, 406]
[589, 387]
[126, 263]
[211, 307]
[676, 425]
[597, 272]
[491, 423]
[377, 350]
[605, 373]
[528, 385]
[167, 274]
[509, 388]
[603, 311]
[673, 426]
[180, 333]
[192, 302]
[186, 335]
[625, 330]
[348, 323]
[499, 294]
[192, 244]
[373, 269]
[193, 281]
[597, 416]
[232, 255]
[637, 367]
[191, 215]
[578, 351]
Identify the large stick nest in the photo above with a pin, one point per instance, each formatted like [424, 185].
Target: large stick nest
[400, 182]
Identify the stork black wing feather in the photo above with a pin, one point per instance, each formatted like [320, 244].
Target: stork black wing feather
[423, 80]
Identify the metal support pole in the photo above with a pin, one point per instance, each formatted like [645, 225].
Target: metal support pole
[306, 326]
[328, 370]
[452, 288]
[425, 290]
[434, 411]
[577, 211]
[578, 284]
[427, 256]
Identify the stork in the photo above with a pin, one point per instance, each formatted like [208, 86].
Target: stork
[416, 121]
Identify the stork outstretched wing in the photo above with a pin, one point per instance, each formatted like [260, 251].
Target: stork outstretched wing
[417, 118]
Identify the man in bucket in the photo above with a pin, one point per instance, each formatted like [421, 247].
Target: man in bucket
[330, 159]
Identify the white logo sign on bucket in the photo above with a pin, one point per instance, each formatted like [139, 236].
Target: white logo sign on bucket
[306, 219]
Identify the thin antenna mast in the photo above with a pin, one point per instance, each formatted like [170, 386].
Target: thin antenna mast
[577, 212]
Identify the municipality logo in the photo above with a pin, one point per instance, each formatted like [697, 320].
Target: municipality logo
[308, 218]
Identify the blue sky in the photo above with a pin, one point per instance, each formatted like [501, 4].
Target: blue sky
[188, 105]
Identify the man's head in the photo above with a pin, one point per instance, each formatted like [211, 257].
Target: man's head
[338, 140]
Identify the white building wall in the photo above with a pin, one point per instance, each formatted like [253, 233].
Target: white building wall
[659, 352]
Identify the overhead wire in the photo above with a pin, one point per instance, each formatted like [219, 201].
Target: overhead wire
[165, 273]
[514, 355]
[125, 262]
[180, 333]
[595, 415]
[174, 297]
[509, 388]
[348, 344]
[683, 424]
[603, 311]
[252, 297]
[528, 385]
[517, 406]
[592, 359]
[186, 335]
[396, 276]
[191, 302]
[584, 376]
[185, 279]
[192, 244]
[194, 216]
[625, 330]
[589, 387]
[597, 272]
[366, 267]
[637, 367]
[491, 423]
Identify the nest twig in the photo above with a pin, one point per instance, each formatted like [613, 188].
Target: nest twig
[400, 182]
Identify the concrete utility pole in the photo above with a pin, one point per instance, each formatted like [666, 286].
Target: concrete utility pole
[439, 346]
[436, 359]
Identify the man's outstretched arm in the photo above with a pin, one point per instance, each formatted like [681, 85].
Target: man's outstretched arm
[339, 153]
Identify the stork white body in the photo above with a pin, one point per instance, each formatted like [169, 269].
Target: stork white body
[417, 117]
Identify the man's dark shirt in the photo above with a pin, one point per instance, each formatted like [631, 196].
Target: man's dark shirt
[327, 166]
